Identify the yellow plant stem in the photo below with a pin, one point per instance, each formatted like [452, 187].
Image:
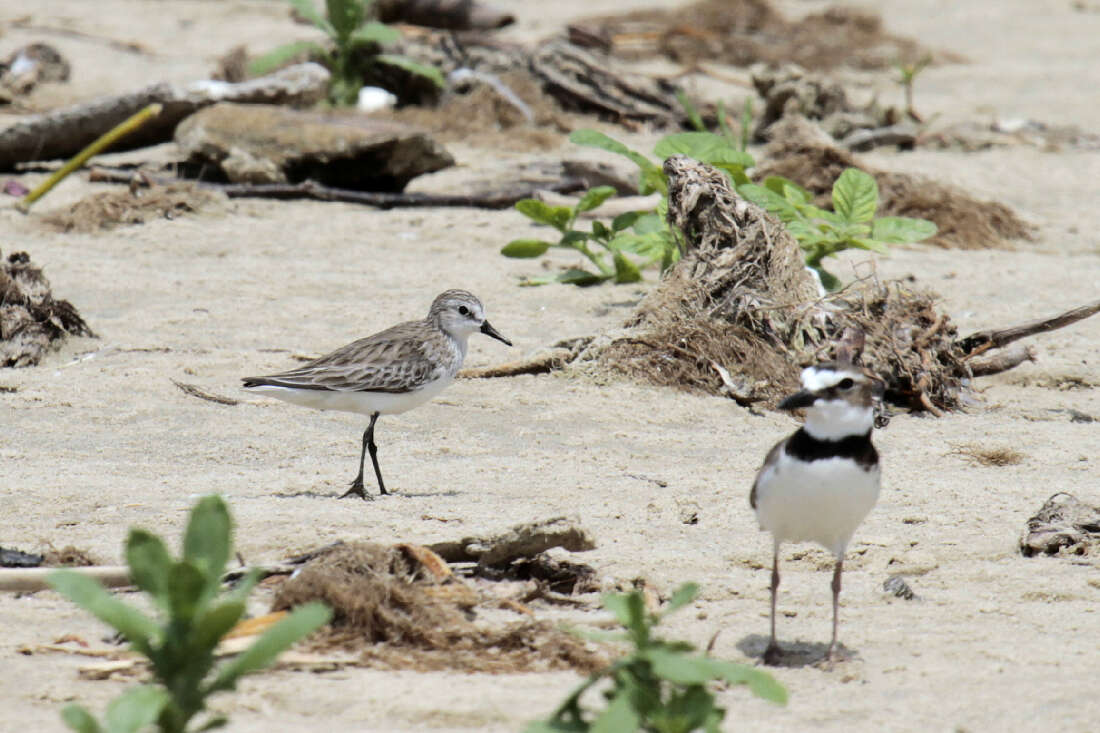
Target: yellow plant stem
[121, 129]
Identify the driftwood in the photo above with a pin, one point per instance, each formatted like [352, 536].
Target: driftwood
[449, 14]
[64, 132]
[522, 540]
[540, 363]
[29, 580]
[202, 394]
[501, 199]
[996, 338]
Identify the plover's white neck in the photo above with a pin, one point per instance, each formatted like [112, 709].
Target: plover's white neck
[838, 419]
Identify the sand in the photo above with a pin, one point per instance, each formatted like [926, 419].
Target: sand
[98, 439]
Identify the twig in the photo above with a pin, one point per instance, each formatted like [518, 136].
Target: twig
[975, 343]
[34, 579]
[124, 128]
[1002, 361]
[500, 199]
[540, 363]
[128, 46]
[204, 395]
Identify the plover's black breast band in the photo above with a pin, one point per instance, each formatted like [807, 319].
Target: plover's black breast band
[858, 448]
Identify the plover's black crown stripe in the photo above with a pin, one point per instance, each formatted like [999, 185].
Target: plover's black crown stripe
[858, 448]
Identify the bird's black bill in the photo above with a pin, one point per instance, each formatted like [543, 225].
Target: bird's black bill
[797, 400]
[490, 331]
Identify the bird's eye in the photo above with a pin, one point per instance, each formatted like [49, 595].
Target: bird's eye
[846, 383]
[466, 311]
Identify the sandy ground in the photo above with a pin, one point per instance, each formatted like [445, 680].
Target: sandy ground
[98, 439]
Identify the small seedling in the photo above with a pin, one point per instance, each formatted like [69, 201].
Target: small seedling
[907, 77]
[649, 239]
[850, 225]
[356, 45]
[661, 686]
[193, 616]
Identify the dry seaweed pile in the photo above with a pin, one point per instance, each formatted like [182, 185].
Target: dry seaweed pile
[31, 321]
[742, 32]
[740, 299]
[404, 609]
[803, 154]
[1064, 525]
[109, 209]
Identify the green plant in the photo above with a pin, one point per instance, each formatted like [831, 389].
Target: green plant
[851, 223]
[649, 239]
[356, 44]
[661, 686]
[193, 616]
[908, 73]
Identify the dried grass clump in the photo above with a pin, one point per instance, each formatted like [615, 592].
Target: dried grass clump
[989, 456]
[109, 209]
[804, 155]
[404, 609]
[741, 299]
[31, 321]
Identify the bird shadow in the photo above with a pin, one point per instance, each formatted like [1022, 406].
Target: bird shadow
[795, 654]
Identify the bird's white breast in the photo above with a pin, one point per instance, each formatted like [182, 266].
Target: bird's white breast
[819, 501]
[363, 403]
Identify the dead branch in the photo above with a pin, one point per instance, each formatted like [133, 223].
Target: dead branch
[1002, 361]
[540, 363]
[64, 132]
[522, 540]
[499, 199]
[449, 14]
[204, 395]
[995, 339]
[29, 580]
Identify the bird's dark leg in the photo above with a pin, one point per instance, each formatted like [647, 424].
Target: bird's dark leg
[368, 444]
[832, 654]
[773, 653]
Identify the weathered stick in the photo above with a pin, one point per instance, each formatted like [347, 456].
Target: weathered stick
[202, 394]
[1002, 361]
[523, 540]
[64, 132]
[540, 363]
[384, 200]
[994, 339]
[29, 580]
[107, 139]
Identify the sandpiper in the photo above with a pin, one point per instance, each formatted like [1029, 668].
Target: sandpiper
[819, 483]
[391, 372]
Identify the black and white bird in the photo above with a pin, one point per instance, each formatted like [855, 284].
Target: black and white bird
[819, 483]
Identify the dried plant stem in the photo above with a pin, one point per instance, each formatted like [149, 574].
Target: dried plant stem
[108, 138]
[994, 339]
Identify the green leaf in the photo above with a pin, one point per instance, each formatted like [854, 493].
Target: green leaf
[374, 33]
[345, 16]
[299, 624]
[308, 10]
[682, 596]
[706, 147]
[556, 726]
[625, 270]
[761, 683]
[150, 564]
[573, 238]
[525, 248]
[897, 229]
[871, 245]
[216, 623]
[600, 232]
[188, 591]
[80, 719]
[244, 586]
[619, 716]
[829, 281]
[558, 217]
[415, 67]
[651, 246]
[690, 110]
[652, 178]
[625, 220]
[735, 172]
[788, 189]
[207, 540]
[855, 195]
[579, 277]
[140, 630]
[279, 57]
[593, 198]
[135, 709]
[628, 608]
[770, 201]
[683, 669]
[823, 214]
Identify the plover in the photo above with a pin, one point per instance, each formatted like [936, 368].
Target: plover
[819, 483]
[391, 372]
